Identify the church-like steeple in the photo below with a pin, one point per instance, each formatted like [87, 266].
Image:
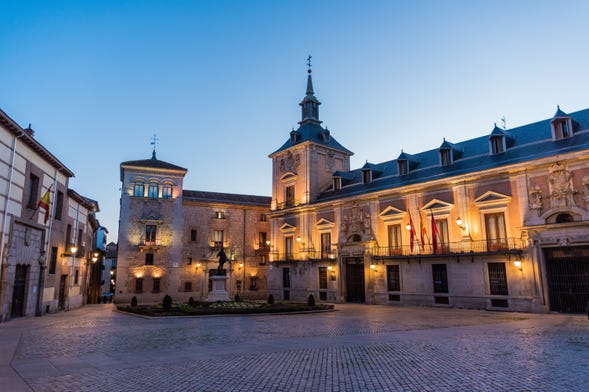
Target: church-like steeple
[309, 104]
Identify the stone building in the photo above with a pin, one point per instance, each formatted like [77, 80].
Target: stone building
[496, 222]
[46, 229]
[169, 237]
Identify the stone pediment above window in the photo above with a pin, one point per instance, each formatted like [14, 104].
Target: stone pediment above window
[391, 214]
[437, 205]
[324, 224]
[492, 199]
[287, 228]
[151, 216]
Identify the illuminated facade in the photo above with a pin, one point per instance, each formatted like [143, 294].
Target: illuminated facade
[169, 237]
[47, 230]
[495, 222]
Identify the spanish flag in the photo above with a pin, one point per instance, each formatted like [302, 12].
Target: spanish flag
[45, 202]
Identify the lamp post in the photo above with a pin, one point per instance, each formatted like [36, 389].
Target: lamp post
[42, 267]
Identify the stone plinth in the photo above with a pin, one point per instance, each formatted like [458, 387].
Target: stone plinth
[219, 292]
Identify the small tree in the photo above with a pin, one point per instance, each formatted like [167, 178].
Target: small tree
[311, 301]
[167, 303]
[237, 298]
[270, 299]
[191, 302]
[133, 301]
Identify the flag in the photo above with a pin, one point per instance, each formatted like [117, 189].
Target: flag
[423, 231]
[434, 233]
[45, 202]
[411, 232]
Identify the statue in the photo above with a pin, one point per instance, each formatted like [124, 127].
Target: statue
[222, 259]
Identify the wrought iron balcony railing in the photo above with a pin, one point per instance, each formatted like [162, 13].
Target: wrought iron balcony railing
[503, 245]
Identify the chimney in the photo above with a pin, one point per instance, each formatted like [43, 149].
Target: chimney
[29, 131]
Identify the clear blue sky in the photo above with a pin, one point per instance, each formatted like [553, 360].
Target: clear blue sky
[220, 81]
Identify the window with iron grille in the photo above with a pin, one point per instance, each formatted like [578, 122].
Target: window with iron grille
[149, 259]
[393, 281]
[138, 285]
[322, 278]
[193, 235]
[150, 234]
[33, 191]
[440, 278]
[286, 278]
[53, 260]
[497, 278]
[59, 206]
[156, 285]
[187, 287]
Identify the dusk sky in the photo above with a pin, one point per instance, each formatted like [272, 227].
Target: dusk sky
[219, 82]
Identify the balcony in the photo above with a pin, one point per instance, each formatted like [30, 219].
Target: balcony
[322, 255]
[262, 249]
[149, 245]
[287, 204]
[482, 247]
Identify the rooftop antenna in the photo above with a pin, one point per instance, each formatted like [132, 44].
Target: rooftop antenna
[504, 123]
[154, 140]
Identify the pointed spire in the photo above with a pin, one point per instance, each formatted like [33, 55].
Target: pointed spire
[310, 104]
[154, 140]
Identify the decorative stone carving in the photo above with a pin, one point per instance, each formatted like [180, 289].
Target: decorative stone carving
[290, 163]
[330, 162]
[535, 199]
[357, 222]
[561, 187]
[586, 188]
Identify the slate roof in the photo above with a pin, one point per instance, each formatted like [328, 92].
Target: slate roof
[152, 163]
[526, 143]
[311, 132]
[227, 198]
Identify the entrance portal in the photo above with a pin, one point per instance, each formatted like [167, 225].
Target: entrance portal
[355, 280]
[567, 271]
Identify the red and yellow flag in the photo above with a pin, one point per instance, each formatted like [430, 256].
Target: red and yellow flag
[45, 202]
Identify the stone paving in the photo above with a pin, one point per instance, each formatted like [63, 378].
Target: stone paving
[356, 348]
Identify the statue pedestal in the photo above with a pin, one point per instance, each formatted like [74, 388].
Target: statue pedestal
[219, 292]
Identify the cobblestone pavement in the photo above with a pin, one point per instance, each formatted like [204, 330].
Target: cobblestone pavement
[356, 348]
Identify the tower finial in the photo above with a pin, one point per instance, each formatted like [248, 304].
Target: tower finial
[309, 63]
[154, 140]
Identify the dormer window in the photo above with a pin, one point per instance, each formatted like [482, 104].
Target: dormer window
[403, 167]
[337, 183]
[497, 144]
[445, 156]
[294, 136]
[561, 129]
[367, 176]
[325, 135]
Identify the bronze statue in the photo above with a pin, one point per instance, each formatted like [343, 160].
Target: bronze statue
[222, 259]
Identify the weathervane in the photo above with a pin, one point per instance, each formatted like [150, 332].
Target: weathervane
[504, 123]
[154, 140]
[309, 62]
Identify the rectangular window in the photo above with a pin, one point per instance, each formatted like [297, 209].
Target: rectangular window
[79, 239]
[286, 278]
[393, 278]
[150, 234]
[139, 189]
[497, 278]
[263, 218]
[561, 130]
[77, 276]
[138, 285]
[53, 260]
[325, 245]
[156, 285]
[153, 191]
[495, 230]
[218, 237]
[262, 238]
[263, 259]
[167, 192]
[33, 191]
[337, 183]
[189, 261]
[497, 145]
[59, 205]
[149, 259]
[445, 157]
[322, 278]
[443, 239]
[219, 214]
[253, 283]
[395, 240]
[440, 278]
[187, 287]
[289, 197]
[68, 238]
[366, 176]
[193, 235]
[402, 167]
[288, 248]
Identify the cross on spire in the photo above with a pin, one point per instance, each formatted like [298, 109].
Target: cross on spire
[154, 139]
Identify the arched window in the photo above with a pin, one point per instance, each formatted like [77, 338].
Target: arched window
[564, 218]
[354, 238]
[153, 191]
[139, 189]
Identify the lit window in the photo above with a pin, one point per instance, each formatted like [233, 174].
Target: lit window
[219, 214]
[263, 218]
[288, 247]
[289, 196]
[218, 237]
[150, 234]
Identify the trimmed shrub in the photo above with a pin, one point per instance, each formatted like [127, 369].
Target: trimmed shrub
[237, 298]
[167, 303]
[133, 302]
[270, 299]
[311, 301]
[191, 302]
